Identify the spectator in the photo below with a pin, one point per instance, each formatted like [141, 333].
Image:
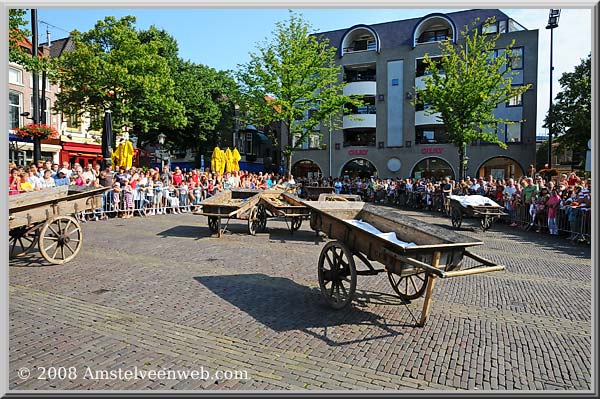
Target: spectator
[552, 204]
[62, 178]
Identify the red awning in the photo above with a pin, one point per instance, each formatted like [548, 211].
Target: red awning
[78, 147]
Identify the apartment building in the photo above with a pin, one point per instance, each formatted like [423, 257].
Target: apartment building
[390, 137]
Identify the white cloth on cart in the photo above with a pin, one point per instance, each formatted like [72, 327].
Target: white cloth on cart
[473, 200]
[391, 236]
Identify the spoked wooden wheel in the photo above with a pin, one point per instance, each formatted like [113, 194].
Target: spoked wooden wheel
[410, 286]
[456, 218]
[213, 224]
[60, 239]
[253, 221]
[22, 240]
[337, 274]
[262, 218]
[296, 223]
[486, 222]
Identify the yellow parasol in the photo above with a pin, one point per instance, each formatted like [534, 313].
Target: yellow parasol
[236, 157]
[221, 164]
[229, 160]
[127, 155]
[214, 162]
[117, 155]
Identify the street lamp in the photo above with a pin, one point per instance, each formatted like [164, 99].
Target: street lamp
[161, 141]
[552, 23]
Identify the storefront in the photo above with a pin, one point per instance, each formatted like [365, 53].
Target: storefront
[500, 168]
[81, 153]
[432, 168]
[306, 168]
[359, 167]
[20, 151]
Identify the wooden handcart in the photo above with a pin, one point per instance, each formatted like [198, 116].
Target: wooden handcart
[46, 218]
[277, 204]
[312, 193]
[412, 270]
[231, 204]
[486, 214]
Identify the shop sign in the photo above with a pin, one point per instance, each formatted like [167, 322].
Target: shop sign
[432, 150]
[358, 152]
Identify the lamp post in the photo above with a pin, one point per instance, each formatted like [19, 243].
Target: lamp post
[552, 23]
[161, 141]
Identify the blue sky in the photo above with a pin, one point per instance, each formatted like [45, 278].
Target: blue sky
[222, 38]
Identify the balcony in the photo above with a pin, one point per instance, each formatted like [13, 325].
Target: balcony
[361, 88]
[366, 121]
[421, 118]
[360, 137]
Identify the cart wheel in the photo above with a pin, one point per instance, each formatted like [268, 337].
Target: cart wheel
[60, 239]
[213, 224]
[296, 223]
[262, 218]
[409, 287]
[456, 218]
[485, 222]
[337, 274]
[253, 222]
[22, 240]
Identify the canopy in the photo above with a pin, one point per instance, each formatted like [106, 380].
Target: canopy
[214, 165]
[236, 157]
[228, 160]
[107, 136]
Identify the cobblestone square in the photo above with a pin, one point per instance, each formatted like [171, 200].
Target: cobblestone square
[160, 293]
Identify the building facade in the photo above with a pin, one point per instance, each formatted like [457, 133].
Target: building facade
[389, 136]
[20, 101]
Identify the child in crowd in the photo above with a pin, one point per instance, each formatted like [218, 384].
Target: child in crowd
[127, 199]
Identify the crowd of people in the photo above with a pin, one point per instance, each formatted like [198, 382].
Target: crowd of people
[532, 202]
[139, 190]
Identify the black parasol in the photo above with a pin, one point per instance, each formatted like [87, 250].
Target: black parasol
[107, 133]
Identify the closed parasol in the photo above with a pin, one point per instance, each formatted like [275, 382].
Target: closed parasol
[236, 157]
[214, 160]
[107, 136]
[228, 161]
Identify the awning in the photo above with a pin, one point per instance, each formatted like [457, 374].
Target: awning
[80, 147]
[262, 137]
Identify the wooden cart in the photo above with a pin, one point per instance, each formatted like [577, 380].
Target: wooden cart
[277, 204]
[486, 214]
[312, 193]
[412, 270]
[46, 218]
[231, 204]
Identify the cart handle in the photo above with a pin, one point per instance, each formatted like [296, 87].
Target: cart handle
[489, 266]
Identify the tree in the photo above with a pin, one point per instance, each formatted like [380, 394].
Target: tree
[17, 34]
[465, 86]
[111, 68]
[571, 113]
[297, 70]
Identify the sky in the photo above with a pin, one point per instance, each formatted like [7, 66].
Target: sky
[223, 38]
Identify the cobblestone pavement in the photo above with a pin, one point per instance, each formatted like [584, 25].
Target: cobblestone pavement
[160, 293]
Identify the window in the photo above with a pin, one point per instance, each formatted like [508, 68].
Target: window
[47, 110]
[491, 28]
[513, 133]
[360, 74]
[314, 141]
[359, 137]
[248, 143]
[502, 26]
[515, 58]
[39, 82]
[15, 76]
[421, 67]
[434, 36]
[516, 101]
[15, 108]
[434, 134]
[73, 120]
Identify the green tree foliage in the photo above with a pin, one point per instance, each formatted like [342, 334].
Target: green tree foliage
[466, 85]
[17, 37]
[571, 113]
[297, 70]
[111, 68]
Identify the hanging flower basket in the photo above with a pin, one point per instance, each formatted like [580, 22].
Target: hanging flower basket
[37, 130]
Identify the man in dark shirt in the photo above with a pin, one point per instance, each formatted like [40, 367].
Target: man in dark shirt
[106, 178]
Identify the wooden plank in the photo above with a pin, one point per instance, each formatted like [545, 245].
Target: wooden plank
[429, 290]
[34, 198]
[475, 270]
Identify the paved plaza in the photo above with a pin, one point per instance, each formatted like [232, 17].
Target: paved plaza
[160, 293]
